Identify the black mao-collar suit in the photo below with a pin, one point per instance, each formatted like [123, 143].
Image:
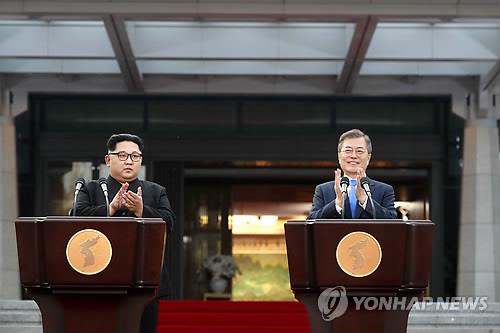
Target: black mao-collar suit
[91, 202]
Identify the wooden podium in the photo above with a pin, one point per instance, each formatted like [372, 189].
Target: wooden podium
[90, 274]
[386, 261]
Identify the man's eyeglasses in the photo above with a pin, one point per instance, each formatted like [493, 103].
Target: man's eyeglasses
[358, 152]
[123, 156]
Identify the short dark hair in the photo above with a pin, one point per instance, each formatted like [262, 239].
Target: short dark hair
[354, 134]
[117, 138]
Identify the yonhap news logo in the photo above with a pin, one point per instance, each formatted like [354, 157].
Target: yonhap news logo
[332, 303]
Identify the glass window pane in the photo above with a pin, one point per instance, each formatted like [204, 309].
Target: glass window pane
[383, 116]
[286, 116]
[92, 114]
[205, 116]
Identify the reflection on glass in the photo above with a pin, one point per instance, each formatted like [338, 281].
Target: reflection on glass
[205, 224]
[259, 249]
[61, 186]
[259, 246]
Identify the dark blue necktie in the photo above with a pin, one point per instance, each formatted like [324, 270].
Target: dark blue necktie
[352, 197]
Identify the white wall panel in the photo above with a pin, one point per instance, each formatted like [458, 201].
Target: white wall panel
[240, 40]
[441, 68]
[79, 41]
[28, 39]
[230, 41]
[460, 43]
[60, 66]
[443, 41]
[315, 41]
[319, 68]
[454, 68]
[400, 42]
[21, 39]
[227, 67]
[165, 40]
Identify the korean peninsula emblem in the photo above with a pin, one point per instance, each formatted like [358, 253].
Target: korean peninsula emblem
[359, 254]
[89, 252]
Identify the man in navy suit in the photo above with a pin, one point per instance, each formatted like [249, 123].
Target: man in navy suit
[354, 153]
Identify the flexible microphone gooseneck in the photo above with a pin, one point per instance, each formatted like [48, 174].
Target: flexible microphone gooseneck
[80, 182]
[344, 182]
[366, 186]
[104, 187]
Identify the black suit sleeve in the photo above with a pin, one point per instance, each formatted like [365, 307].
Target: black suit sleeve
[385, 208]
[162, 210]
[322, 210]
[87, 204]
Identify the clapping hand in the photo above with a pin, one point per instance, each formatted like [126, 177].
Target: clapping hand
[133, 201]
[360, 192]
[119, 200]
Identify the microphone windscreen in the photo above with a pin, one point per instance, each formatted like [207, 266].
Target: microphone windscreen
[102, 181]
[344, 181]
[364, 181]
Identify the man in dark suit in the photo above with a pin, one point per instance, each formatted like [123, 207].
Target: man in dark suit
[129, 197]
[354, 153]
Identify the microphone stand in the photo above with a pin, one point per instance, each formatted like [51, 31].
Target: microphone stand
[74, 202]
[369, 194]
[343, 204]
[107, 203]
[366, 186]
[344, 182]
[104, 188]
[80, 183]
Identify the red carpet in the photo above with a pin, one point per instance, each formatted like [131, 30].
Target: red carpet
[232, 317]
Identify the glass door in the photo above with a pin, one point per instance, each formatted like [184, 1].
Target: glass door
[206, 232]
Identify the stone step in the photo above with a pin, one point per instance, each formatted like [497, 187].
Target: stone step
[17, 305]
[440, 318]
[455, 307]
[20, 317]
[24, 317]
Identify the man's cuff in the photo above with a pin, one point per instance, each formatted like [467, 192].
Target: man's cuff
[338, 208]
[364, 204]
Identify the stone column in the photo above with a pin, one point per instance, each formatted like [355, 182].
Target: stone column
[479, 244]
[9, 268]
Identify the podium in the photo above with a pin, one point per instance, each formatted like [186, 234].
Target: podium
[90, 274]
[359, 276]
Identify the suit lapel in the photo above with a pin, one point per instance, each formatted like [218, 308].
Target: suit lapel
[113, 187]
[134, 185]
[373, 186]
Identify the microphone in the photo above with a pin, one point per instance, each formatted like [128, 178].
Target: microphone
[366, 186]
[344, 182]
[104, 188]
[80, 182]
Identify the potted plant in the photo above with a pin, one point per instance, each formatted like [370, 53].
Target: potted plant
[219, 270]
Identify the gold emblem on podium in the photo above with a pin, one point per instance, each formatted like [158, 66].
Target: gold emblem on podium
[89, 251]
[359, 254]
